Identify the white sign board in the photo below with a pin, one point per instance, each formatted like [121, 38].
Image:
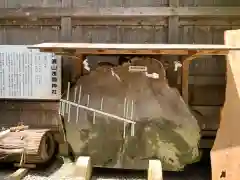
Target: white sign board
[137, 69]
[29, 74]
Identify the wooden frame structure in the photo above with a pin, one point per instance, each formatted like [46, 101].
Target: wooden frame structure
[119, 12]
[225, 152]
[189, 51]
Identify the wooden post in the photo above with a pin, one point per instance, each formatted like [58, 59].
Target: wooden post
[173, 35]
[185, 75]
[185, 78]
[173, 24]
[83, 168]
[225, 154]
[155, 170]
[66, 36]
[66, 23]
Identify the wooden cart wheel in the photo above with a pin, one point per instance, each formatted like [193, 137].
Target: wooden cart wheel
[47, 147]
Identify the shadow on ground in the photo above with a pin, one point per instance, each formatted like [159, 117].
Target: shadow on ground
[197, 171]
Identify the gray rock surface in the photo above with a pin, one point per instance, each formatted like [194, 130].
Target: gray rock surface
[165, 128]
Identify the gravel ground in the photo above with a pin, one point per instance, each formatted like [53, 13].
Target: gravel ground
[5, 170]
[58, 170]
[4, 173]
[195, 172]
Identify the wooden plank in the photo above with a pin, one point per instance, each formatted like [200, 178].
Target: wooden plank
[225, 156]
[158, 21]
[119, 12]
[185, 76]
[221, 22]
[66, 29]
[26, 22]
[209, 133]
[206, 143]
[66, 23]
[202, 65]
[155, 170]
[86, 51]
[206, 80]
[71, 47]
[19, 174]
[173, 26]
[173, 33]
[208, 95]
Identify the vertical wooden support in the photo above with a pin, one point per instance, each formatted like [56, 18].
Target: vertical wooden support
[225, 154]
[185, 78]
[66, 29]
[66, 23]
[66, 36]
[173, 36]
[173, 24]
[83, 168]
[155, 170]
[75, 64]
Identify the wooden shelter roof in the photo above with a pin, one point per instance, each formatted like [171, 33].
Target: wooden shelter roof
[170, 49]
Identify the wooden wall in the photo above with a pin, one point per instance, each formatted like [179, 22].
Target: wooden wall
[130, 21]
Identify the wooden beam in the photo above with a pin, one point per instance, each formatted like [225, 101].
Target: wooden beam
[194, 48]
[173, 24]
[158, 21]
[119, 12]
[66, 23]
[206, 143]
[207, 95]
[66, 29]
[98, 48]
[200, 80]
[65, 52]
[225, 155]
[173, 31]
[185, 76]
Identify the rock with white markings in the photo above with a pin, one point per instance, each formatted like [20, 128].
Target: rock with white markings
[165, 128]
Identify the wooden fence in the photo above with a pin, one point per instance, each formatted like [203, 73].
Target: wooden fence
[131, 21]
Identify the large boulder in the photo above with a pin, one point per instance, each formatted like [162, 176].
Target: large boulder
[164, 129]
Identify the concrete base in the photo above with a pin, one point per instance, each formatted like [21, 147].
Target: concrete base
[83, 168]
[155, 170]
